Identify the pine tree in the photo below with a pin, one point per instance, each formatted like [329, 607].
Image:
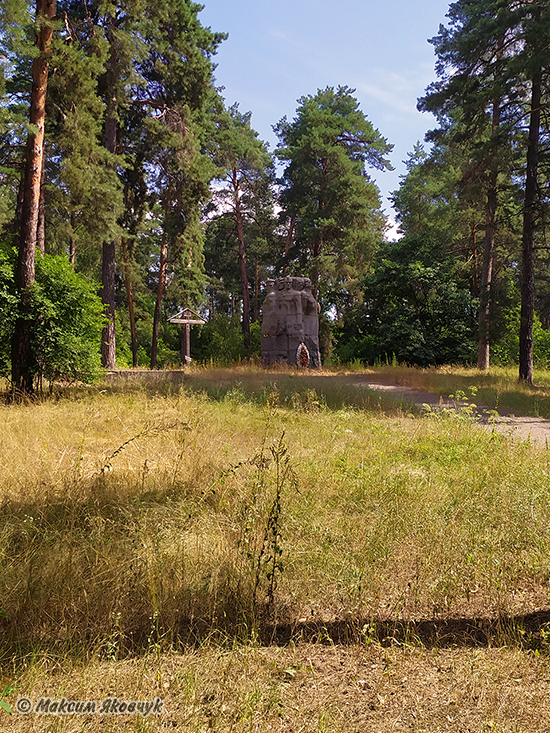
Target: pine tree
[326, 191]
[22, 373]
[242, 196]
[491, 63]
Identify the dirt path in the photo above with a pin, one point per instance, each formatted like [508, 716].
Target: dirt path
[534, 430]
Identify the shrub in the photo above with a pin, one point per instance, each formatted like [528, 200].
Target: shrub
[66, 320]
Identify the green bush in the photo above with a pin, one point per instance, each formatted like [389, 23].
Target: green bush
[66, 320]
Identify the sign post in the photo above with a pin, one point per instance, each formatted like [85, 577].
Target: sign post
[187, 318]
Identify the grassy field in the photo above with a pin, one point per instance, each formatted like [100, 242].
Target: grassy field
[272, 551]
[498, 388]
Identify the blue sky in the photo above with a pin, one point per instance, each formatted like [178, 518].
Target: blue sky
[279, 51]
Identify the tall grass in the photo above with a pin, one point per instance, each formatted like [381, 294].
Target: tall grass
[134, 518]
[497, 388]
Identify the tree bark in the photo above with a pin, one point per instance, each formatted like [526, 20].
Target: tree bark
[130, 303]
[256, 316]
[108, 345]
[475, 256]
[242, 261]
[108, 270]
[41, 228]
[289, 239]
[72, 242]
[158, 303]
[529, 227]
[22, 357]
[483, 352]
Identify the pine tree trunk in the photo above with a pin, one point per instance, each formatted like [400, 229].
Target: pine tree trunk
[41, 228]
[289, 239]
[475, 257]
[256, 316]
[242, 262]
[108, 345]
[158, 303]
[529, 226]
[22, 357]
[130, 303]
[108, 269]
[72, 242]
[483, 352]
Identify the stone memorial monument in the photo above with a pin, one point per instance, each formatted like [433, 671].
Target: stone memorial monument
[290, 323]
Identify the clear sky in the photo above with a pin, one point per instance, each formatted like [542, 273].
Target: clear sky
[278, 51]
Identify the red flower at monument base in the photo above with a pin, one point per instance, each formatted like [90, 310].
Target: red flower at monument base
[302, 355]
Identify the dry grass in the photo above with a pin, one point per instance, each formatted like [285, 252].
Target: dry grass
[306, 689]
[497, 388]
[120, 506]
[252, 506]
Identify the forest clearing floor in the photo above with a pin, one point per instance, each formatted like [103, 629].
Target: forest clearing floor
[306, 688]
[534, 430]
[139, 533]
[525, 428]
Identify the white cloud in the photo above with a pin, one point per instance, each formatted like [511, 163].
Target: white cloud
[397, 91]
[392, 98]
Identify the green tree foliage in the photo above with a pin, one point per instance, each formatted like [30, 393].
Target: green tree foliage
[492, 62]
[168, 170]
[83, 192]
[427, 200]
[221, 340]
[128, 118]
[442, 198]
[242, 208]
[326, 192]
[415, 307]
[64, 319]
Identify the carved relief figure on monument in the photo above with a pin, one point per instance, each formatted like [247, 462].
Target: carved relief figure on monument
[290, 317]
[310, 310]
[269, 311]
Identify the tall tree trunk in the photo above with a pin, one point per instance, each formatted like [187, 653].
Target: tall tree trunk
[72, 242]
[41, 228]
[22, 357]
[158, 303]
[108, 270]
[19, 203]
[483, 351]
[256, 317]
[289, 239]
[130, 303]
[529, 226]
[108, 345]
[242, 262]
[475, 257]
